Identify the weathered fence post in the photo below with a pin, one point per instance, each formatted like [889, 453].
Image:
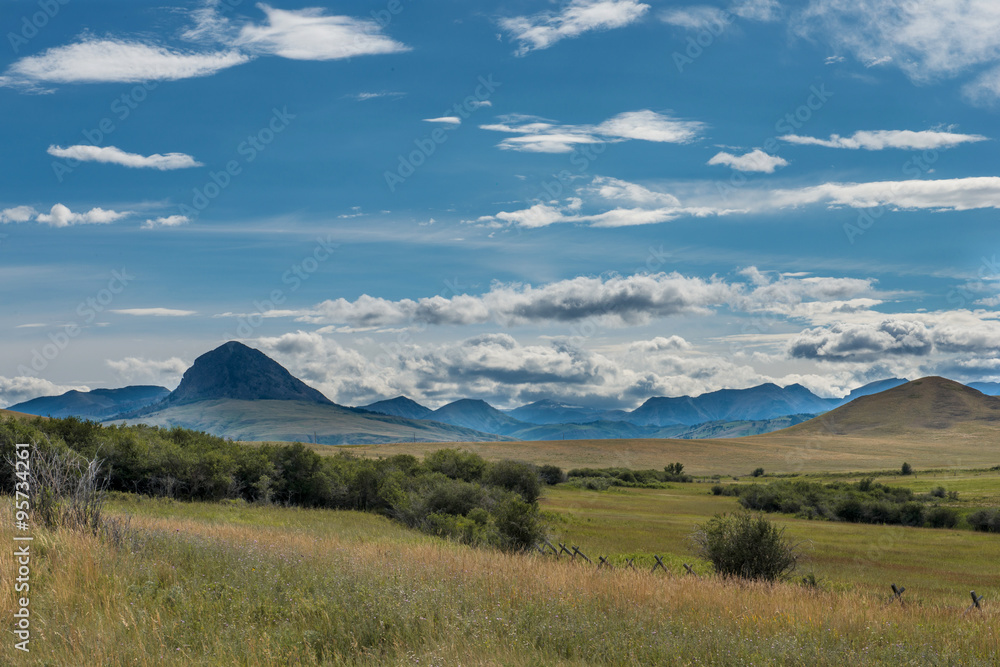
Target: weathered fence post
[604, 563]
[689, 570]
[976, 602]
[659, 564]
[562, 548]
[897, 594]
[577, 552]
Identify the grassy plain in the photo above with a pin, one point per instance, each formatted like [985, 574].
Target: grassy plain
[776, 452]
[227, 583]
[937, 566]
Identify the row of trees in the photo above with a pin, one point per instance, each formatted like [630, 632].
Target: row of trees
[862, 502]
[451, 493]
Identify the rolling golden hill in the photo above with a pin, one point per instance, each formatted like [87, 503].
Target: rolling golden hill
[929, 423]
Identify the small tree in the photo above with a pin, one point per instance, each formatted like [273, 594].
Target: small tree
[907, 469]
[747, 546]
[758, 472]
[674, 469]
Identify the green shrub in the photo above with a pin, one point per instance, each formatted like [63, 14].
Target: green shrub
[907, 469]
[466, 466]
[517, 476]
[942, 517]
[985, 520]
[747, 546]
[551, 475]
[758, 472]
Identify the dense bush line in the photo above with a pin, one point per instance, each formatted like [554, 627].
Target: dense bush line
[863, 502]
[985, 520]
[603, 478]
[451, 493]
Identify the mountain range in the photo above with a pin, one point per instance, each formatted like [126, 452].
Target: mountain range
[238, 392]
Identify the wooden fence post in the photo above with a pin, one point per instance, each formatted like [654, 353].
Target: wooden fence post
[659, 564]
[976, 602]
[562, 548]
[689, 570]
[604, 563]
[897, 594]
[577, 552]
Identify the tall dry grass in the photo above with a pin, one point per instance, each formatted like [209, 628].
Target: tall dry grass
[217, 584]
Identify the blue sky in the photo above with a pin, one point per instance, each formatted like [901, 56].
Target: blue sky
[593, 200]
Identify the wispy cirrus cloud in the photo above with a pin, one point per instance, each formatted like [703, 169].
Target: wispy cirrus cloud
[882, 139]
[117, 60]
[155, 312]
[115, 155]
[539, 135]
[927, 40]
[610, 202]
[542, 30]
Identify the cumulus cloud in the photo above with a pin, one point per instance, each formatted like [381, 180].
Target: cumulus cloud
[22, 388]
[756, 160]
[117, 61]
[882, 139]
[61, 216]
[542, 30]
[310, 34]
[862, 342]
[539, 135]
[165, 372]
[17, 214]
[114, 155]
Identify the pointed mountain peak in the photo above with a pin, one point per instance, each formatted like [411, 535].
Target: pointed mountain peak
[236, 371]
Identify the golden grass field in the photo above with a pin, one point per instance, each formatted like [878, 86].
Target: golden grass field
[221, 584]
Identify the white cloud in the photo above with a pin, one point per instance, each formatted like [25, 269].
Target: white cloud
[110, 60]
[305, 34]
[957, 194]
[309, 34]
[168, 221]
[19, 389]
[166, 372]
[155, 312]
[538, 135]
[882, 139]
[364, 97]
[756, 160]
[114, 155]
[544, 29]
[699, 17]
[757, 10]
[927, 39]
[17, 214]
[447, 120]
[61, 216]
